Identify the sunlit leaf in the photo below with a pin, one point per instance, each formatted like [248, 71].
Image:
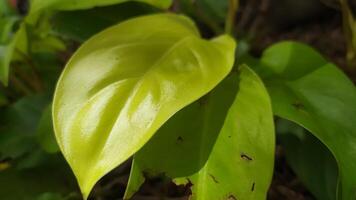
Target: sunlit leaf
[221, 146]
[314, 93]
[125, 82]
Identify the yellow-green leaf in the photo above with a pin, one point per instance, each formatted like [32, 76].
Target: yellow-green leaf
[222, 145]
[125, 82]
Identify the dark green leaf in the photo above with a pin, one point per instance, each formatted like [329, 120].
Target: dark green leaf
[30, 184]
[40, 5]
[45, 132]
[70, 24]
[18, 124]
[314, 93]
[216, 10]
[313, 163]
[3, 99]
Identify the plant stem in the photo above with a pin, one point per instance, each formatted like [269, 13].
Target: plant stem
[36, 81]
[231, 16]
[349, 26]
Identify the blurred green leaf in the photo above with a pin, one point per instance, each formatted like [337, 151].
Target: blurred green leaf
[314, 93]
[141, 72]
[5, 8]
[209, 12]
[5, 59]
[18, 124]
[31, 172]
[69, 24]
[30, 184]
[49, 68]
[45, 132]
[24, 114]
[313, 163]
[216, 10]
[221, 158]
[6, 26]
[17, 43]
[50, 196]
[39, 5]
[3, 99]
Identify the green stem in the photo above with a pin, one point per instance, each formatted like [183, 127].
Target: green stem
[231, 16]
[36, 81]
[20, 86]
[349, 27]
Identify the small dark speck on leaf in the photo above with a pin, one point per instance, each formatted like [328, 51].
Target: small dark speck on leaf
[213, 178]
[298, 105]
[229, 136]
[253, 186]
[179, 139]
[246, 157]
[231, 197]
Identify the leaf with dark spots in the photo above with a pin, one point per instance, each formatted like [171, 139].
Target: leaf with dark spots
[213, 178]
[246, 157]
[105, 110]
[253, 186]
[294, 71]
[298, 105]
[231, 197]
[238, 107]
[179, 139]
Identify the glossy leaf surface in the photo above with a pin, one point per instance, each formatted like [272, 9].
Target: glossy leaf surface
[125, 82]
[314, 93]
[39, 5]
[223, 144]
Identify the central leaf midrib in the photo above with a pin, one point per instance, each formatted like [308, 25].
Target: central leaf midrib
[132, 93]
[201, 188]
